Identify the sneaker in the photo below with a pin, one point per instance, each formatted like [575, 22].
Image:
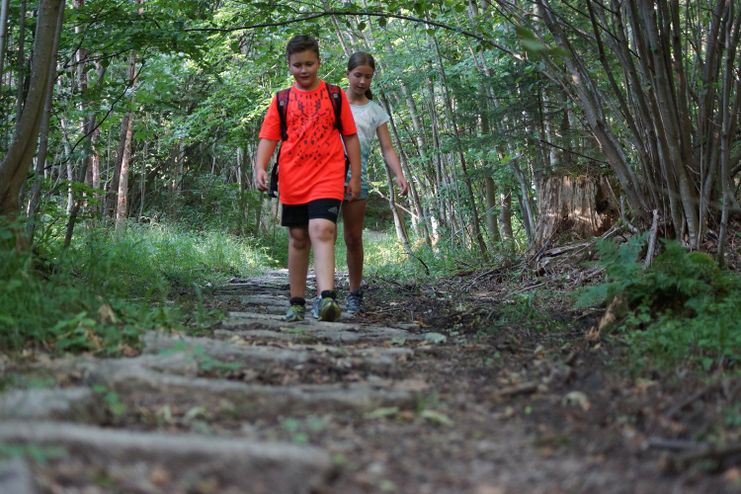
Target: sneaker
[315, 307]
[329, 309]
[295, 313]
[354, 302]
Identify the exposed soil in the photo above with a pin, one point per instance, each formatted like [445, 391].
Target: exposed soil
[492, 388]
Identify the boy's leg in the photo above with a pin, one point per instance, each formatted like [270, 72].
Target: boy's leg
[322, 234]
[353, 216]
[298, 259]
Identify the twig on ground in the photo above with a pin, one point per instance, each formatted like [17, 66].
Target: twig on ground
[519, 389]
[673, 411]
[527, 288]
[673, 444]
[722, 458]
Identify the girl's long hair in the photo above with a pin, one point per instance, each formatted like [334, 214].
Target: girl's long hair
[362, 58]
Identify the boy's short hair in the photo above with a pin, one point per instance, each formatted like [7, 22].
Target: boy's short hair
[302, 42]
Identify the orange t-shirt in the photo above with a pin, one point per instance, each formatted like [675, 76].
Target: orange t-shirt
[312, 159]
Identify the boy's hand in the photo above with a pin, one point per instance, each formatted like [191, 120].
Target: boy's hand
[261, 178]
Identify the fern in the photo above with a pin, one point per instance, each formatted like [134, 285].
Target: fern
[683, 308]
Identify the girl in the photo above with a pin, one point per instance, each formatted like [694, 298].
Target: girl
[371, 120]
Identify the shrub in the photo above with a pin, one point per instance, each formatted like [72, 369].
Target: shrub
[684, 308]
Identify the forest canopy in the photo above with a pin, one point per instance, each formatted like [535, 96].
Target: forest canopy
[521, 124]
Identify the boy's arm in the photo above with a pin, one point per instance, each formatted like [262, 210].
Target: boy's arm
[265, 149]
[352, 145]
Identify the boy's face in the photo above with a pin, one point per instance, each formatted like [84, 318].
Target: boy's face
[304, 66]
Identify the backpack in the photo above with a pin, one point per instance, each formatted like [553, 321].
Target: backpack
[282, 99]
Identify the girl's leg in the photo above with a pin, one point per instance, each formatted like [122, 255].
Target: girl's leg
[353, 216]
[322, 233]
[298, 259]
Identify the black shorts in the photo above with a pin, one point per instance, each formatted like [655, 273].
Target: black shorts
[300, 214]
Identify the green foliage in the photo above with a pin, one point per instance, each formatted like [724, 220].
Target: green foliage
[109, 287]
[386, 258]
[111, 399]
[33, 452]
[684, 308]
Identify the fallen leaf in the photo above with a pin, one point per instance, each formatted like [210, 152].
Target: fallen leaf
[577, 398]
[437, 338]
[382, 413]
[159, 476]
[106, 314]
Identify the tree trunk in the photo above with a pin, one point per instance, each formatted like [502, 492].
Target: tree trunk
[491, 210]
[505, 218]
[570, 209]
[4, 4]
[528, 218]
[21, 70]
[418, 220]
[15, 165]
[453, 122]
[38, 178]
[401, 232]
[123, 167]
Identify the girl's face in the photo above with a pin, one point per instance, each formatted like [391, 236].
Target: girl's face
[360, 79]
[304, 66]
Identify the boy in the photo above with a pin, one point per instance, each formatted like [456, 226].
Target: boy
[312, 174]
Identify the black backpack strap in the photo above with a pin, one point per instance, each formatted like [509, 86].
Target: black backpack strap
[336, 98]
[282, 100]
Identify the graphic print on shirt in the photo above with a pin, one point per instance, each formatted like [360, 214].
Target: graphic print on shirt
[312, 120]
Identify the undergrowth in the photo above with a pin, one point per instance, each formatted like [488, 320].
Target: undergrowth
[108, 287]
[683, 309]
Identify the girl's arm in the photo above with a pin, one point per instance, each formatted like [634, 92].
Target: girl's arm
[352, 145]
[390, 157]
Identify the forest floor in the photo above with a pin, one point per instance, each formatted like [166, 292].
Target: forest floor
[468, 386]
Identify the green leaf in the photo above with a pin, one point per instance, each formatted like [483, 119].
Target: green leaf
[436, 417]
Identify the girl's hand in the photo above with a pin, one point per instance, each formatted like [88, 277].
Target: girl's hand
[261, 178]
[353, 188]
[401, 181]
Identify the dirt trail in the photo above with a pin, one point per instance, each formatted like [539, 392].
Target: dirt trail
[403, 399]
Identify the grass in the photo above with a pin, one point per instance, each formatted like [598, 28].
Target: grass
[109, 287]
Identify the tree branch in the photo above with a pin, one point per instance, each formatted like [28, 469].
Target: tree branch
[329, 13]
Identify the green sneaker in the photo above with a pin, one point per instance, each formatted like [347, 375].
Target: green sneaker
[329, 309]
[295, 313]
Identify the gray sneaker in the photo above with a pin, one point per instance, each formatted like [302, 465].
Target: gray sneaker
[315, 307]
[354, 302]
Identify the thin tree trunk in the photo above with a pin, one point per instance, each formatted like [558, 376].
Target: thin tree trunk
[491, 209]
[14, 167]
[21, 84]
[123, 179]
[401, 232]
[418, 220]
[4, 4]
[451, 117]
[528, 219]
[35, 193]
[505, 218]
[124, 154]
